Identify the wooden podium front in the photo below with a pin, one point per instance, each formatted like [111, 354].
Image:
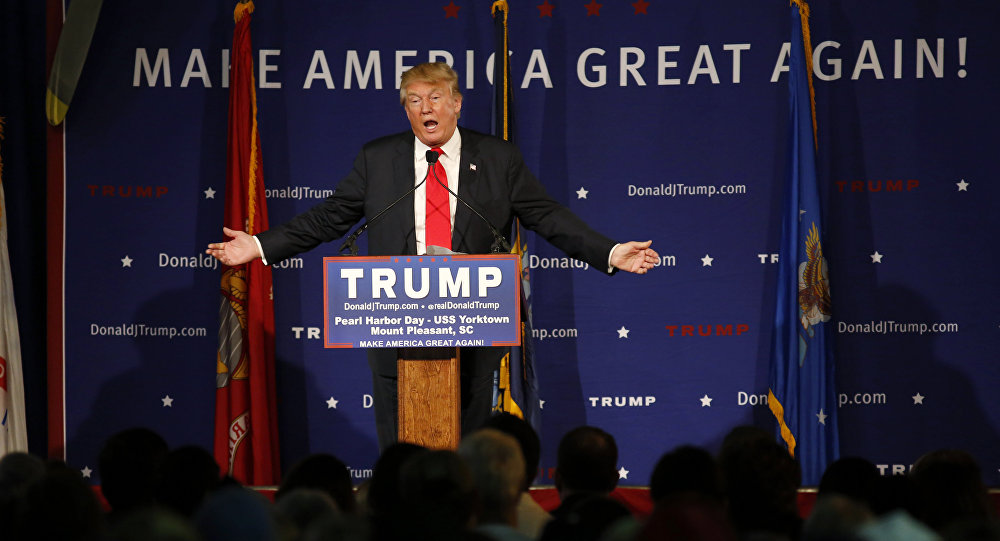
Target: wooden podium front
[429, 397]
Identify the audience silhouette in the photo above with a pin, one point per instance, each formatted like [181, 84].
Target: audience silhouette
[185, 477]
[128, 464]
[762, 482]
[586, 473]
[748, 492]
[322, 472]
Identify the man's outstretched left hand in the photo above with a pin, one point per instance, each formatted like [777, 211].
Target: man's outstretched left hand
[635, 257]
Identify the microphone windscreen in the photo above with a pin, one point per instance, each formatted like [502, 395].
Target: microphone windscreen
[432, 157]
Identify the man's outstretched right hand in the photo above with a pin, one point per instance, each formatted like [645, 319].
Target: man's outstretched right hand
[241, 249]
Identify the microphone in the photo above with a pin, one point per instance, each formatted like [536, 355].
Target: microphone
[350, 242]
[500, 244]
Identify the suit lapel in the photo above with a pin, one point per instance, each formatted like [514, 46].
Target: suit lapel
[403, 175]
[468, 184]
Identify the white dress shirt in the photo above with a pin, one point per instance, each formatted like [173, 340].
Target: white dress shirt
[450, 159]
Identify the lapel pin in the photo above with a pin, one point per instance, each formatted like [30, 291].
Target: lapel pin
[472, 166]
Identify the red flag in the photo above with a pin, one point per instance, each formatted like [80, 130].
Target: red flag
[246, 427]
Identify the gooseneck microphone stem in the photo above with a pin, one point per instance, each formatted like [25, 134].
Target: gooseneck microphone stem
[350, 242]
[500, 244]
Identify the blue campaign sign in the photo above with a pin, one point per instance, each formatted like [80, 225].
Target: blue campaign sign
[421, 301]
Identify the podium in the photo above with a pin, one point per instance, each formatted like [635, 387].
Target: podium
[427, 308]
[429, 397]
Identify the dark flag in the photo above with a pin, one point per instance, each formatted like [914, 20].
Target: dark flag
[516, 386]
[246, 428]
[802, 394]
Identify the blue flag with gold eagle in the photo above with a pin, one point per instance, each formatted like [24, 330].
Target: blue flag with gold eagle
[515, 388]
[802, 394]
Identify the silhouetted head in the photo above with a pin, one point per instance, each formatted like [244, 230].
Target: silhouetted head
[497, 467]
[185, 476]
[60, 505]
[587, 461]
[438, 495]
[853, 477]
[836, 517]
[762, 482]
[384, 498]
[299, 509]
[687, 471]
[531, 446]
[322, 472]
[950, 488]
[127, 464]
[236, 512]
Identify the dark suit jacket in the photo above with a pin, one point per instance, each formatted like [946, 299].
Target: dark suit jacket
[492, 177]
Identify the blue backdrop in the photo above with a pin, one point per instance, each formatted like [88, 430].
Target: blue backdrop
[650, 120]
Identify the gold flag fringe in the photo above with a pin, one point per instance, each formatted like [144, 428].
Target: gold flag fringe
[503, 6]
[807, 45]
[779, 413]
[244, 7]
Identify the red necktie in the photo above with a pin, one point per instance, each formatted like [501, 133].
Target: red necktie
[438, 217]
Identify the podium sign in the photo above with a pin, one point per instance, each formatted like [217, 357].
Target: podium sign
[422, 301]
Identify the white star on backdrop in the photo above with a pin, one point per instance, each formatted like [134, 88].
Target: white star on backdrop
[541, 404]
[706, 402]
[332, 403]
[167, 401]
[707, 261]
[581, 193]
[623, 473]
[876, 257]
[623, 332]
[209, 193]
[918, 399]
[962, 186]
[86, 471]
[822, 417]
[127, 261]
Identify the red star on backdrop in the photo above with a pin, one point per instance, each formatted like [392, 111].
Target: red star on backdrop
[640, 7]
[545, 9]
[451, 10]
[593, 8]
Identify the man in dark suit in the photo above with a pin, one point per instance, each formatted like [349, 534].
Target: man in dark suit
[485, 171]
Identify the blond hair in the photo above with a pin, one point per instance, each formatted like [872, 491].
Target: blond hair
[432, 73]
[497, 465]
